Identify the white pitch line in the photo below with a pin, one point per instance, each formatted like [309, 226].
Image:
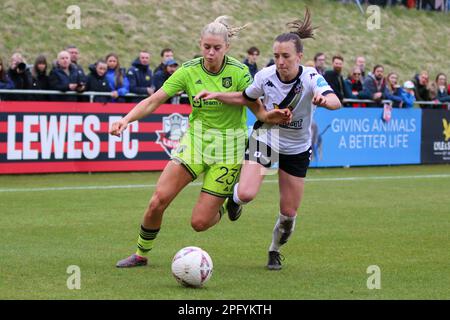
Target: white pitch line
[141, 186]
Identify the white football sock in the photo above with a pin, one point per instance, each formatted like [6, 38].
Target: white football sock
[284, 226]
[235, 195]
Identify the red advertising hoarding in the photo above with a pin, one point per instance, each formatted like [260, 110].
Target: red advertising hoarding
[44, 137]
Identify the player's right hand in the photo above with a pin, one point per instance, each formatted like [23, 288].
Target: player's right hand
[205, 95]
[279, 116]
[118, 126]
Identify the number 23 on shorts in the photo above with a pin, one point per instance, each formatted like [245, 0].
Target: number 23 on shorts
[221, 178]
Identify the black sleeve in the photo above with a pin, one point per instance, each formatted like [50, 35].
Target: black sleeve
[247, 97]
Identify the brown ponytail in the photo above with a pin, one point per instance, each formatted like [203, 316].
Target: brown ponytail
[300, 29]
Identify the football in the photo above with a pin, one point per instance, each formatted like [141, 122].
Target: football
[192, 267]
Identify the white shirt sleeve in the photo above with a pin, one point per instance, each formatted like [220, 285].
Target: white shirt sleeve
[255, 90]
[318, 84]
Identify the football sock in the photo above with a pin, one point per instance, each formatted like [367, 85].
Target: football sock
[145, 240]
[235, 195]
[282, 231]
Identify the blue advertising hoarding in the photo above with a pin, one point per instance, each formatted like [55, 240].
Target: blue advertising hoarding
[360, 137]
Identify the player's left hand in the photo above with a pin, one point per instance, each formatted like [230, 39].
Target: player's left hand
[205, 95]
[279, 116]
[319, 100]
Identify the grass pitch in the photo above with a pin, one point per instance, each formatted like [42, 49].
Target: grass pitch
[396, 218]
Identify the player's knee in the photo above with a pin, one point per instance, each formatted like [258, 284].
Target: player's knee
[246, 195]
[199, 224]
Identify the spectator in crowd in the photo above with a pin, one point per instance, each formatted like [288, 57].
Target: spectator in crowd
[140, 76]
[355, 86]
[439, 90]
[117, 79]
[270, 63]
[422, 92]
[427, 5]
[310, 63]
[5, 82]
[361, 63]
[335, 79]
[410, 4]
[170, 66]
[250, 61]
[65, 77]
[40, 79]
[319, 62]
[394, 90]
[74, 55]
[96, 80]
[166, 54]
[374, 86]
[20, 75]
[440, 5]
[408, 94]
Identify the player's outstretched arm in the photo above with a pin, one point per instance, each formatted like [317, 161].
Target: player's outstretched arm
[330, 101]
[276, 116]
[142, 109]
[234, 98]
[238, 99]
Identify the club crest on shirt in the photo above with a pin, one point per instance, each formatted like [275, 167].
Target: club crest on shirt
[299, 88]
[174, 127]
[227, 82]
[292, 99]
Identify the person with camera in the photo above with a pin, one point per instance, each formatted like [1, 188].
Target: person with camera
[74, 60]
[74, 56]
[20, 75]
[64, 77]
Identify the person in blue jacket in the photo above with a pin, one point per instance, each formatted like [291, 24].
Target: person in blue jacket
[408, 94]
[116, 78]
[141, 77]
[5, 82]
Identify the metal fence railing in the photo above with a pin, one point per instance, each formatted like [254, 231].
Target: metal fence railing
[93, 94]
[416, 103]
[90, 94]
